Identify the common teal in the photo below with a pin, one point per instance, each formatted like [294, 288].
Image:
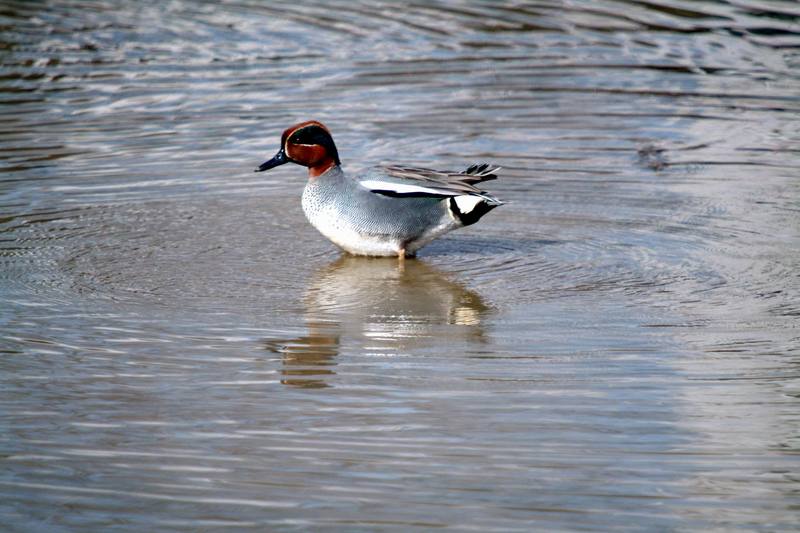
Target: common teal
[387, 211]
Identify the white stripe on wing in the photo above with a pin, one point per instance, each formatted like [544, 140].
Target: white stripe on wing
[402, 188]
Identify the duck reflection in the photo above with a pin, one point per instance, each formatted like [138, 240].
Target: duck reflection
[376, 305]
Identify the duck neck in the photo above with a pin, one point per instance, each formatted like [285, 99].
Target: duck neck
[322, 167]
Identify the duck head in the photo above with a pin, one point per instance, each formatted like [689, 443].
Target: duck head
[309, 144]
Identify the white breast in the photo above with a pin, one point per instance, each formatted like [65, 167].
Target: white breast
[328, 221]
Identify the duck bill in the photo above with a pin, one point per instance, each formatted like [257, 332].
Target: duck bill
[279, 159]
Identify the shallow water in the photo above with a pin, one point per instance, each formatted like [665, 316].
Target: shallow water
[616, 348]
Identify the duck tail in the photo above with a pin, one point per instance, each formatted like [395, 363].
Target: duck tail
[479, 172]
[468, 209]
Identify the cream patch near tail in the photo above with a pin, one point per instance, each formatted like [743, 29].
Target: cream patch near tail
[466, 204]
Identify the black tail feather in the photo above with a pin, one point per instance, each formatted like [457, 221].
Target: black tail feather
[479, 172]
[473, 216]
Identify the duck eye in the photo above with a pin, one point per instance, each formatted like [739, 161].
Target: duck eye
[308, 135]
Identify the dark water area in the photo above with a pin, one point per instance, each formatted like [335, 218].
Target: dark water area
[616, 348]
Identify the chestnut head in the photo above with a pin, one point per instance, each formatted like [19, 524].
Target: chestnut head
[309, 144]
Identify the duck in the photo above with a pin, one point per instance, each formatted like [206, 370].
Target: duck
[387, 210]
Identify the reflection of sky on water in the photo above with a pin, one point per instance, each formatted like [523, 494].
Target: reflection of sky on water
[614, 348]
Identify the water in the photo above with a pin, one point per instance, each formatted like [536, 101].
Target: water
[615, 348]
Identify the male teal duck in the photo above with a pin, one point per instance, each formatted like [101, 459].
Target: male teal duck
[390, 210]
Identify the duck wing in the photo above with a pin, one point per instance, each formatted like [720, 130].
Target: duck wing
[401, 181]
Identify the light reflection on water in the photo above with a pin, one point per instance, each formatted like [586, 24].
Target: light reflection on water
[617, 347]
[384, 307]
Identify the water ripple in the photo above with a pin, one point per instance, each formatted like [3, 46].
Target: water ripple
[175, 336]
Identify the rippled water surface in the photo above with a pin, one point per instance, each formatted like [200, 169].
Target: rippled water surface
[615, 348]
